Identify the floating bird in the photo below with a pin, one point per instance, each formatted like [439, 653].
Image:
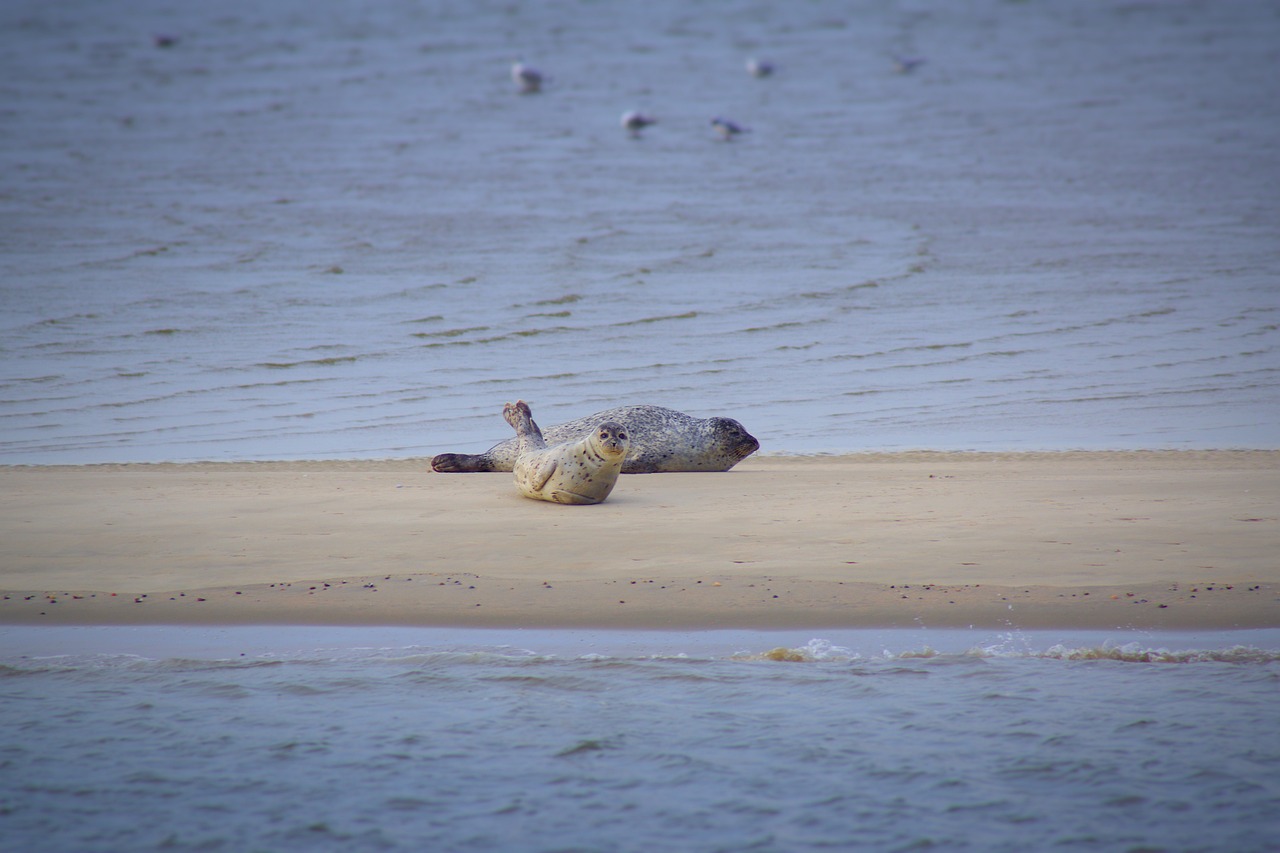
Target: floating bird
[634, 122]
[906, 64]
[759, 67]
[528, 79]
[727, 129]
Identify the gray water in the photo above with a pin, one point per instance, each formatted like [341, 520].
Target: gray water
[379, 739]
[328, 229]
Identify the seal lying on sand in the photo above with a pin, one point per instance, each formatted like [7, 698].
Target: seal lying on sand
[662, 440]
[576, 472]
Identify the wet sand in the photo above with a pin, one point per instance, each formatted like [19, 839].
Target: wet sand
[1148, 540]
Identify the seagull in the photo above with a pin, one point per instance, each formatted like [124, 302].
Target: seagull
[634, 122]
[727, 129]
[759, 67]
[906, 64]
[528, 79]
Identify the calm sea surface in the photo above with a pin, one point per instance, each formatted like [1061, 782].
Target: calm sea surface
[258, 739]
[327, 229]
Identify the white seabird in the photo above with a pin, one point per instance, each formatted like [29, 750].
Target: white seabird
[728, 129]
[527, 78]
[633, 122]
[760, 67]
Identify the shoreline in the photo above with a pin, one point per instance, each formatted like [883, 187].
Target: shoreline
[25, 644]
[423, 463]
[1143, 540]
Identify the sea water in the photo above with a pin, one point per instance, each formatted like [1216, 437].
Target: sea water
[376, 739]
[326, 229]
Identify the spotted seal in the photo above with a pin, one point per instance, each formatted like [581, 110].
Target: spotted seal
[662, 440]
[575, 472]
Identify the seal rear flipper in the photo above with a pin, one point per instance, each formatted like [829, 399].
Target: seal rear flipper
[528, 436]
[560, 496]
[460, 463]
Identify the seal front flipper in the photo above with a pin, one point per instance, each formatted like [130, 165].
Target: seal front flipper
[542, 473]
[460, 463]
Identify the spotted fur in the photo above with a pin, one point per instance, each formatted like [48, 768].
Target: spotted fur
[575, 472]
[662, 440]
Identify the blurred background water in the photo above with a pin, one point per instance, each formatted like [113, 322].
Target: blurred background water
[329, 229]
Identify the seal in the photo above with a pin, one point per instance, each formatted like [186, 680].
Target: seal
[662, 440]
[575, 472]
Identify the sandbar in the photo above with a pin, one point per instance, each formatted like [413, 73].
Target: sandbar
[1154, 540]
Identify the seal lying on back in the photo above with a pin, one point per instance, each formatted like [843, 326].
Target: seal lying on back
[662, 440]
[576, 472]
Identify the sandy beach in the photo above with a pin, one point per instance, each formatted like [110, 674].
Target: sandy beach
[1149, 540]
